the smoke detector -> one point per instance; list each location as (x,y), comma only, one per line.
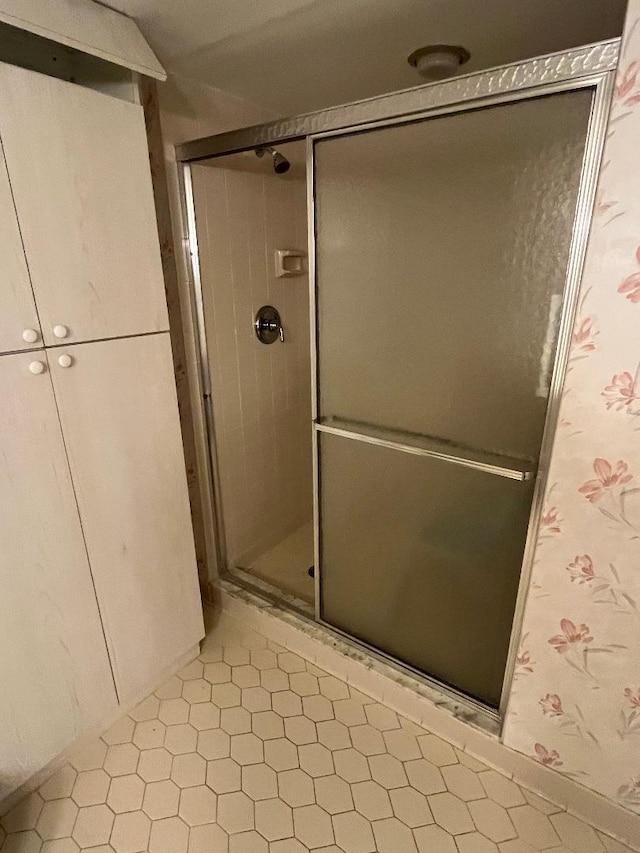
(438,61)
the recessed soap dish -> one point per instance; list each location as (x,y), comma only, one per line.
(290,262)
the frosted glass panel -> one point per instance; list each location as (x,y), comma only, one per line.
(442,249)
(421,558)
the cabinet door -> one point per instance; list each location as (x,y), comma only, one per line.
(18,316)
(54,669)
(79,167)
(119,417)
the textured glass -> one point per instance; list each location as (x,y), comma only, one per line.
(421,559)
(442,249)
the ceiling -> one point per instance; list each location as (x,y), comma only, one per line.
(293,56)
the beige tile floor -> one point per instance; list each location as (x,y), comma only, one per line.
(286,566)
(251,749)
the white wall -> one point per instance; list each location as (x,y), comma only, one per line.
(261,394)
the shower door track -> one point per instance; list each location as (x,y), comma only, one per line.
(592,66)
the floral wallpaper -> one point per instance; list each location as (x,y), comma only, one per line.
(575,703)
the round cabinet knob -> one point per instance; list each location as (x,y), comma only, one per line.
(36,367)
(65,360)
(60,331)
(30,336)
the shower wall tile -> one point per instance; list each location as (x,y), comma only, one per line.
(575,702)
(261,394)
(176,111)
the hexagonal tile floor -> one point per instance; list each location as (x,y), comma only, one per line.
(252,749)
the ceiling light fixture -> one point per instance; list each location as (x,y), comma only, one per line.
(438,61)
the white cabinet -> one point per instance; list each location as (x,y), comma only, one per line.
(119,416)
(54,669)
(79,169)
(19,326)
(99,592)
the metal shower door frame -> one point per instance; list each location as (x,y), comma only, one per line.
(602,85)
(592,66)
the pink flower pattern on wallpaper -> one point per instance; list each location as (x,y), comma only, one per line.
(633,696)
(583,339)
(581,569)
(603,205)
(605,586)
(571,636)
(551,704)
(572,724)
(630,713)
(630,793)
(630,287)
(607,479)
(550,522)
(621,392)
(548,757)
(610,484)
(524,663)
(627,88)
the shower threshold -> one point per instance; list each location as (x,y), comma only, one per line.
(285,565)
(269,592)
(246,587)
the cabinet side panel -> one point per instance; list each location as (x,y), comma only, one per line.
(120,420)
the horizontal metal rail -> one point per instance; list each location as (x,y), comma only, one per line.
(489,463)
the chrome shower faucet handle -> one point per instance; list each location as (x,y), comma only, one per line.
(268,325)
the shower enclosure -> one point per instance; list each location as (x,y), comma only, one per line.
(447,228)
(249,218)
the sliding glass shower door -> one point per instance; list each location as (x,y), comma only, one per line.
(441,258)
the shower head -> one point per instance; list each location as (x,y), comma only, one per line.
(280,162)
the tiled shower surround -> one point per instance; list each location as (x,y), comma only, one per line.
(253,749)
(261,394)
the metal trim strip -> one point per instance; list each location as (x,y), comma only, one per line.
(192,260)
(540,71)
(313,338)
(595,139)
